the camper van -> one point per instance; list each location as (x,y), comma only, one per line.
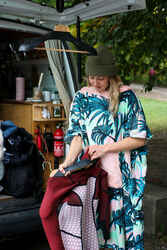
(38,78)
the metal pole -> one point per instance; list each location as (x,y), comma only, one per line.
(79,55)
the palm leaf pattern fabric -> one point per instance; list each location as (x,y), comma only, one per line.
(91,119)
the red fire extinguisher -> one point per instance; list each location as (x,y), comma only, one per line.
(58,142)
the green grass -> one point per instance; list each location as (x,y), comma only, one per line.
(156,114)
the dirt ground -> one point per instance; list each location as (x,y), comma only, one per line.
(158,93)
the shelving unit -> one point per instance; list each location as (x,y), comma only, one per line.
(29,115)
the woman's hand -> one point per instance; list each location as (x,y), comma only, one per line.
(97,151)
(53,172)
(74,151)
(61,168)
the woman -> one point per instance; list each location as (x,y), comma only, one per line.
(107,119)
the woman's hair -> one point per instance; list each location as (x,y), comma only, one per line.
(114,92)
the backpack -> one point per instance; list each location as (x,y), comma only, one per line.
(23,166)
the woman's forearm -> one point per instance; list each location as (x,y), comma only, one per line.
(126,144)
(74,150)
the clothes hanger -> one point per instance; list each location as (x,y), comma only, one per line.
(61,32)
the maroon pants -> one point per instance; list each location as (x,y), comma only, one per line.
(59,190)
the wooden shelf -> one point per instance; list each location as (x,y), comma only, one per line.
(38,108)
(50,120)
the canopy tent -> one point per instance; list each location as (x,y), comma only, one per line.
(25,11)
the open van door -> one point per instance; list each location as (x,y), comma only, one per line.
(29,12)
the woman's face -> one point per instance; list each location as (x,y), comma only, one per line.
(100,83)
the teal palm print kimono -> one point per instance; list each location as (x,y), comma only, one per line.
(91,119)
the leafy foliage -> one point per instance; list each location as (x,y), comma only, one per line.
(138,39)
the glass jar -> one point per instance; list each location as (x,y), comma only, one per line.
(57,109)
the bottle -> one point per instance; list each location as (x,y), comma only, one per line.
(57,109)
(20,87)
(38,139)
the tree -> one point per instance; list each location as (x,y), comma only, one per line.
(138,39)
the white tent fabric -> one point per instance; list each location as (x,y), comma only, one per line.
(56,62)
